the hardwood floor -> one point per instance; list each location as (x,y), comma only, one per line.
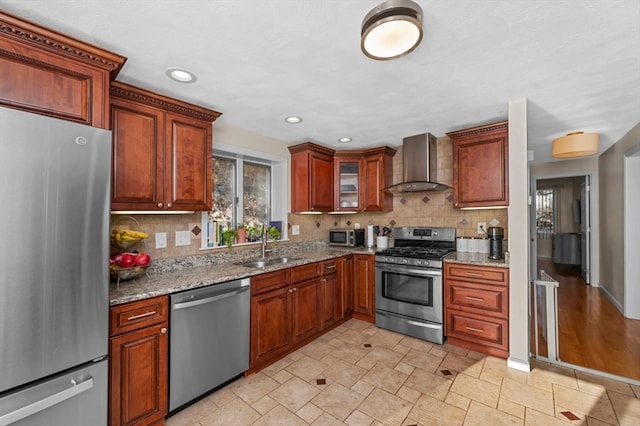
(592,333)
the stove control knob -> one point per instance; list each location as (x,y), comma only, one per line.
(405,261)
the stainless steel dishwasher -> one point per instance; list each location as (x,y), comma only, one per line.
(209,339)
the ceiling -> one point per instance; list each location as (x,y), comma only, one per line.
(258,61)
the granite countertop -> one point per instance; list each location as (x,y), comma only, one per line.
(479,259)
(162,282)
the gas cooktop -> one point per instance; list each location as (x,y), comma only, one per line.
(419,246)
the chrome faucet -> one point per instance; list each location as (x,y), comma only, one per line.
(265,236)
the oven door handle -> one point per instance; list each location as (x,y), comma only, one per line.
(408,270)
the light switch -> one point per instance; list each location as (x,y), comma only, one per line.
(183,238)
(161,240)
(295,229)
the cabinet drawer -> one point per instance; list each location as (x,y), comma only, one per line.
(483,299)
(496,276)
(305,272)
(137,315)
(270,281)
(329,267)
(477,329)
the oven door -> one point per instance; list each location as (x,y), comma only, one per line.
(411,291)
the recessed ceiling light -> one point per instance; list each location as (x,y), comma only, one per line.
(345,140)
(183,76)
(293,119)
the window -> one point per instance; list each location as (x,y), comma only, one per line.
(546,212)
(243,194)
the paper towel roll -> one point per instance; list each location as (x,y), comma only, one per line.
(370,237)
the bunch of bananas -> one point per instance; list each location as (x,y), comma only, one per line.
(127,235)
(124,238)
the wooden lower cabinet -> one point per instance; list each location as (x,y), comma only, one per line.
(270,325)
(291,307)
(364,287)
(344,296)
(329,300)
(477,308)
(138,363)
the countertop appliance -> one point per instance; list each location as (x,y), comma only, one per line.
(409,284)
(347,237)
(208,340)
(54,277)
(496,235)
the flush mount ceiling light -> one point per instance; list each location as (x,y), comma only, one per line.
(575,144)
(344,140)
(391,29)
(181,75)
(293,119)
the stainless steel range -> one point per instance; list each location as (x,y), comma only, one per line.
(409,286)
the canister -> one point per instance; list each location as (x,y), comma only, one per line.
(461,244)
(483,245)
(472,245)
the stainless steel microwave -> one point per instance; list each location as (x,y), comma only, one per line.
(346,237)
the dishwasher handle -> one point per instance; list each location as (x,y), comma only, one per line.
(211,299)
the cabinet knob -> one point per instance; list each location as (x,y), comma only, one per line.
(163,330)
(169,205)
(290,290)
(160,205)
(295,289)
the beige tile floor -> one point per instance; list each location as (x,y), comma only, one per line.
(358,374)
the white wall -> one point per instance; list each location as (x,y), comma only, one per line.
(518,237)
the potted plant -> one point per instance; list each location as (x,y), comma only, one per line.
(230,236)
(252,233)
(242,234)
(274,233)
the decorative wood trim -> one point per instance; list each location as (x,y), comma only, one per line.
(478,130)
(137,94)
(385,150)
(60,44)
(305,146)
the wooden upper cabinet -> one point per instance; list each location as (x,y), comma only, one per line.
(361,176)
(311,178)
(481,166)
(162,152)
(378,168)
(45,72)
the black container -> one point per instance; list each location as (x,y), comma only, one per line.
(496,235)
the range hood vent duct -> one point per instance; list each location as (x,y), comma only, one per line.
(419,161)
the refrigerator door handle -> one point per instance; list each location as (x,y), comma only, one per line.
(49,401)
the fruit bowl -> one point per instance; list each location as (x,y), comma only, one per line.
(119,273)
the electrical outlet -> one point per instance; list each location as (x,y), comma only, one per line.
(356,225)
(161,240)
(295,229)
(482,228)
(183,238)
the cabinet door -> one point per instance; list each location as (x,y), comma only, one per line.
(364,284)
(321,182)
(270,325)
(138,376)
(349,179)
(378,171)
(328,311)
(480,166)
(345,286)
(137,156)
(305,300)
(188,164)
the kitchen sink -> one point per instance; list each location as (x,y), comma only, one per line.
(261,263)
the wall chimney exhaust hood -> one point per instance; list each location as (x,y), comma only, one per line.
(419,163)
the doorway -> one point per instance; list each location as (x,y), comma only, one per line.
(632,231)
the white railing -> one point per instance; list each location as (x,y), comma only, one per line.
(545,314)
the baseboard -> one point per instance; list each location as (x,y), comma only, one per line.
(612,299)
(518,364)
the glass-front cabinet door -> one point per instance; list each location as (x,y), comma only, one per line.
(349,184)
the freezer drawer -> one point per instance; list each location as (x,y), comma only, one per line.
(78,398)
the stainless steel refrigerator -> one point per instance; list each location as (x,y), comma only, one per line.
(54,278)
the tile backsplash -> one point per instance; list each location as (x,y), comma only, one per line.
(412,209)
